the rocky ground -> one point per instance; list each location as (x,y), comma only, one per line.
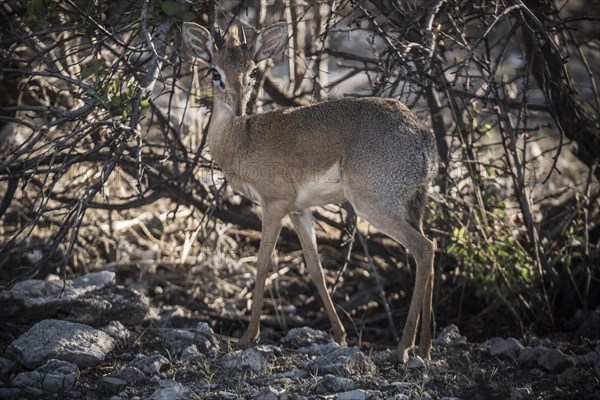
(95,339)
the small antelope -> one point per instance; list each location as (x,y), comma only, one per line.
(372,152)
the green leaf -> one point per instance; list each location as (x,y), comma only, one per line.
(115,101)
(144,104)
(188,16)
(170,7)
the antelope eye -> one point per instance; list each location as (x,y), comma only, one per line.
(253,73)
(215,75)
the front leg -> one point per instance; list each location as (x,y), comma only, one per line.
(271,226)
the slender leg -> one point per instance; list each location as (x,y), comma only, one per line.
(271,226)
(303,224)
(425,339)
(422,250)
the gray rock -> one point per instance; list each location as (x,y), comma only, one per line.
(92,299)
(345,362)
(55,376)
(591,327)
(303,337)
(294,373)
(62,340)
(113,384)
(150,365)
(258,359)
(166,314)
(449,398)
(179,339)
(415,363)
(521,393)
(129,375)
(10,393)
(267,393)
(530,355)
(510,347)
(449,336)
(597,366)
(586,360)
(357,394)
(170,390)
(117,331)
(253,359)
(337,384)
(570,377)
(318,348)
(555,361)
(191,353)
(382,357)
(231,360)
(7,367)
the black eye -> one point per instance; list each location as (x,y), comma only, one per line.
(253,73)
(215,75)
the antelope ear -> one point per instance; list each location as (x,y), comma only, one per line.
(270,42)
(198,40)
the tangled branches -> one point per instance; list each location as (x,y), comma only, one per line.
(102,118)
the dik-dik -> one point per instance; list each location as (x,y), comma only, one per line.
(372,152)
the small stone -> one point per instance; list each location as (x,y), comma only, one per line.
(191,353)
(231,360)
(357,394)
(510,347)
(521,393)
(130,375)
(345,362)
(304,337)
(449,336)
(591,327)
(571,376)
(555,361)
(253,359)
(415,363)
(400,396)
(92,299)
(117,331)
(11,393)
(179,339)
(267,393)
(113,384)
(294,373)
(586,360)
(530,355)
(7,367)
(62,340)
(150,365)
(449,398)
(382,357)
(170,390)
(225,395)
(55,376)
(337,384)
(318,349)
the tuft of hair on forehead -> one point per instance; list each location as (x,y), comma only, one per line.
(233,38)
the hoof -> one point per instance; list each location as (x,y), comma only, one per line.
(246,342)
(424,353)
(402,355)
(340,338)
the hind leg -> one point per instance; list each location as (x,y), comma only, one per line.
(405,229)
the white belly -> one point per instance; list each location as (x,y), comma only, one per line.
(321,189)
